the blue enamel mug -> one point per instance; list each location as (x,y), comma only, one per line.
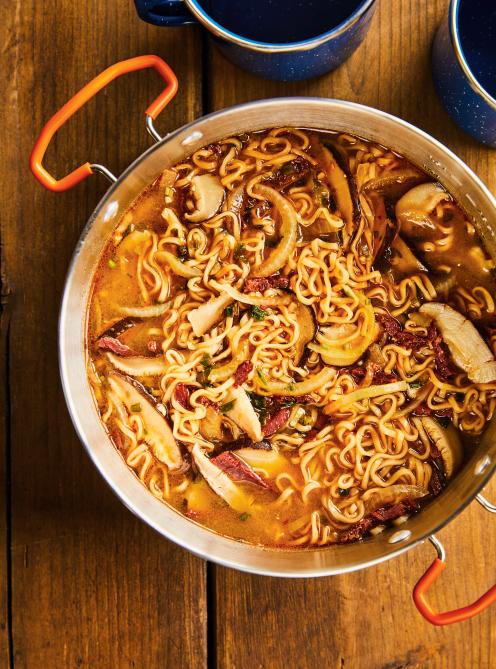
(464,66)
(287,40)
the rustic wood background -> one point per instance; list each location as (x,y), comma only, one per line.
(82,582)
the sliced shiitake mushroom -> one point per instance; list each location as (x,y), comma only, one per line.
(157,433)
(446,440)
(394,184)
(208,194)
(468,350)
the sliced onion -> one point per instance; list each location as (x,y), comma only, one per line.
(343,355)
(288,231)
(447,441)
(309,385)
(138,365)
(224,372)
(365,393)
(392,495)
(306,322)
(178,267)
(272,301)
(145,312)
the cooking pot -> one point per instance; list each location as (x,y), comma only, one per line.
(325,114)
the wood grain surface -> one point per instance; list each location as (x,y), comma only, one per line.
(82,582)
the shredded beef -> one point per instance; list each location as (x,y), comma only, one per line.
(399,336)
(435,483)
(378,517)
(242,372)
(182,395)
(261,283)
(152,346)
(275,423)
(442,359)
(107,343)
(237,470)
(208,403)
(379,376)
(290,173)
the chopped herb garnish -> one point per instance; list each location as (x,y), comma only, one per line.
(112,263)
(287,402)
(136,407)
(291,387)
(257,401)
(240,252)
(415,384)
(343,492)
(206,363)
(228,311)
(182,253)
(257,313)
(287,168)
(261,376)
(225,408)
(245,516)
(444,421)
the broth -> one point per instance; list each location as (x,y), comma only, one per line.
(291,337)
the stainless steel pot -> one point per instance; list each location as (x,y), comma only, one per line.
(325,114)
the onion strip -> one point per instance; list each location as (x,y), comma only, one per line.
(178,267)
(365,393)
(288,231)
(310,384)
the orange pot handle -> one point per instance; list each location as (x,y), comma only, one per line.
(76,102)
(448,617)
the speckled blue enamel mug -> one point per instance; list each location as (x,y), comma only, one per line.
(278,39)
(464,66)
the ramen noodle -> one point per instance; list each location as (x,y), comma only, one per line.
(291,337)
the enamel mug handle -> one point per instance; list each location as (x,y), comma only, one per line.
(80,99)
(164,12)
(433,572)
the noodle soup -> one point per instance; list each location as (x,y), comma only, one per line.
(291,337)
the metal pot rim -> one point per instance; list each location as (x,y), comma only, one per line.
(146,507)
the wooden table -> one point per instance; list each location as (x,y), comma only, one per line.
(82,582)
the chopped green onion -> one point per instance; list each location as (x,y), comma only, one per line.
(225,408)
(415,384)
(136,407)
(257,313)
(182,253)
(444,421)
(112,263)
(244,516)
(288,168)
(261,376)
(291,387)
(228,311)
(240,252)
(257,401)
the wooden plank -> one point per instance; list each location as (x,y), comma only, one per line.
(91,585)
(367,620)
